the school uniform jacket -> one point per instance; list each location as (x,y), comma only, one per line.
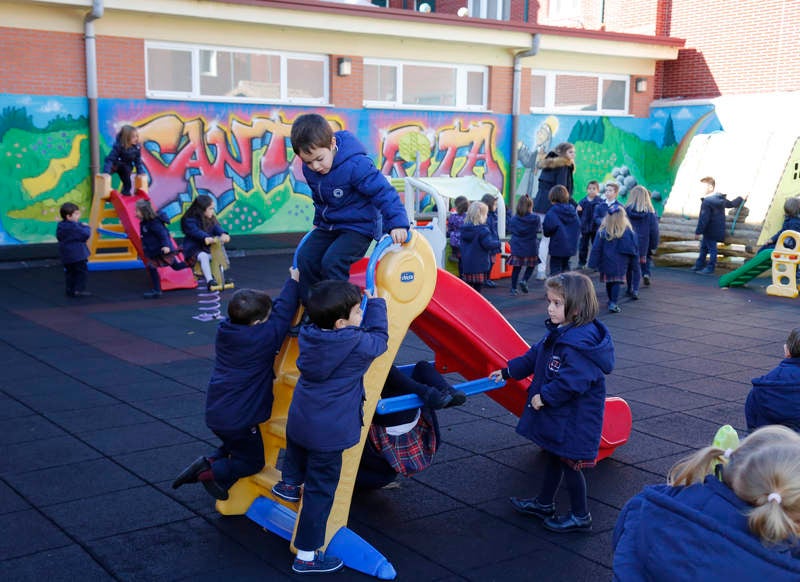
(645,225)
(240,390)
(588,224)
(711,222)
(155,236)
(569,367)
(699,532)
(327,410)
(775,397)
(72,237)
(555,170)
(524,231)
(562,225)
(195,235)
(491,222)
(612,257)
(477,243)
(128,157)
(354,195)
(789,223)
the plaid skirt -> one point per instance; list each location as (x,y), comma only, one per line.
(163,260)
(407,453)
(474,277)
(577,465)
(516,261)
(604,278)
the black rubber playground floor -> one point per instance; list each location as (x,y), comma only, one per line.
(101,404)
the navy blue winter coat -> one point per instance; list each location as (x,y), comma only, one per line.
(240,390)
(120,156)
(195,235)
(555,170)
(789,223)
(700,532)
(491,222)
(155,236)
(562,225)
(327,410)
(354,195)
(612,257)
(711,223)
(477,245)
(601,211)
(524,232)
(775,397)
(72,237)
(588,224)
(645,225)
(569,367)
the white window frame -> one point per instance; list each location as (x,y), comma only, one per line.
(196,95)
(550,93)
(462,72)
(480,8)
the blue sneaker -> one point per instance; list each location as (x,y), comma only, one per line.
(286,491)
(569,523)
(321,564)
(532,507)
(614,308)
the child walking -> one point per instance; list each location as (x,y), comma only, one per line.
(491,222)
(566,400)
(72,236)
(740,524)
(353,201)
(125,155)
(524,227)
(775,397)
(711,225)
(156,245)
(326,412)
(454,223)
(200,227)
(586,210)
(477,245)
(644,222)
(615,252)
(239,395)
(562,226)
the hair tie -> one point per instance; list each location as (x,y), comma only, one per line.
(727,454)
(775,496)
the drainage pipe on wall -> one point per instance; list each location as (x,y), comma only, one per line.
(515,96)
(91,85)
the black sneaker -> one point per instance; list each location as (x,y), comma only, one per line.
(321,564)
(190,473)
(286,491)
(82,294)
(646,279)
(532,507)
(457,398)
(212,283)
(569,523)
(523,286)
(216,490)
(491,284)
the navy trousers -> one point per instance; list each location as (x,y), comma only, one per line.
(75,276)
(328,254)
(240,455)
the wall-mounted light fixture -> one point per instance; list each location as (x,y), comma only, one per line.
(640,85)
(344,66)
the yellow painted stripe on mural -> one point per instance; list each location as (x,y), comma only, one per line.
(48,179)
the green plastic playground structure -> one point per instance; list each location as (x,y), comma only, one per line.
(749,271)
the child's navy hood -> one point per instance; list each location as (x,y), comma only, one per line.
(594,341)
(566,212)
(636,214)
(347,146)
(323,351)
(469,232)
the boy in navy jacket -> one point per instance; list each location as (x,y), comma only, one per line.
(775,397)
(562,225)
(327,409)
(353,201)
(589,227)
(240,394)
(72,236)
(711,226)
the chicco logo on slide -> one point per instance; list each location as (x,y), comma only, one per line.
(407,277)
(338,193)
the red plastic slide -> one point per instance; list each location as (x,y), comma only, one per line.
(126,210)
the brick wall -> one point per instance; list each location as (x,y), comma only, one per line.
(501,81)
(42,63)
(120,68)
(632,16)
(347,92)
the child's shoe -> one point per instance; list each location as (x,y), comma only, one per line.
(569,523)
(513,291)
(321,564)
(211,283)
(82,294)
(523,286)
(191,473)
(154,294)
(646,280)
(491,284)
(613,308)
(457,398)
(707,271)
(286,491)
(532,507)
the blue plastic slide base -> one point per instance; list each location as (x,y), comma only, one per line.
(116,265)
(353,550)
(410,401)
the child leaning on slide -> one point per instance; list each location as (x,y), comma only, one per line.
(775,397)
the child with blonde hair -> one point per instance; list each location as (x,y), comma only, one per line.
(614,253)
(644,221)
(477,245)
(741,524)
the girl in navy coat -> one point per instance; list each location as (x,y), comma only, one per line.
(125,155)
(454,223)
(775,397)
(564,413)
(614,253)
(491,221)
(156,245)
(740,526)
(557,169)
(200,227)
(524,228)
(478,244)
(644,221)
(562,225)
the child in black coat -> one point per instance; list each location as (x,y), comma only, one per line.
(72,237)
(156,245)
(562,226)
(124,157)
(711,225)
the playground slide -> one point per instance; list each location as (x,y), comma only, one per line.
(126,210)
(749,271)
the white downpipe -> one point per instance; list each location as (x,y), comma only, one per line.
(91,84)
(515,101)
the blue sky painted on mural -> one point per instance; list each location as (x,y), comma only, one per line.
(43,109)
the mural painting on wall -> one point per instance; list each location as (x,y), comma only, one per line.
(629,151)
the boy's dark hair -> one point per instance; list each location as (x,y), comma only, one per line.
(792,206)
(331,300)
(710,181)
(66,209)
(595,182)
(793,343)
(146,210)
(580,299)
(461,204)
(490,200)
(309,131)
(249,305)
(558,194)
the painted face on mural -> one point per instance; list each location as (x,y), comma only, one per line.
(319,160)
